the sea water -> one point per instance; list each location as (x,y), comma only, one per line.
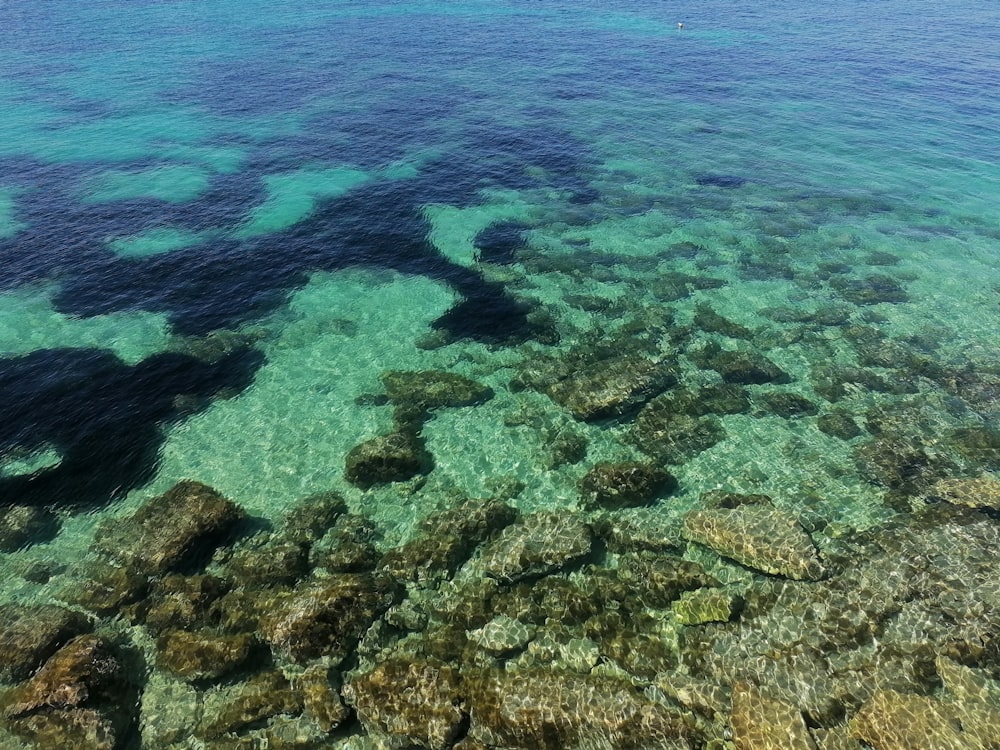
(313,185)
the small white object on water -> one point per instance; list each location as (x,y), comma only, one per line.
(680,24)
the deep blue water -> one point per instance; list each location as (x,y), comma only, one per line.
(175,174)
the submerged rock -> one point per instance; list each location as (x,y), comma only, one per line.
(978,492)
(670,437)
(838,425)
(202,654)
(68,728)
(22,526)
(870,290)
(656,580)
(759,537)
(178,601)
(705,605)
(106,588)
(326,617)
(447,539)
(312,517)
(245,704)
(413,703)
(30,634)
(267,563)
(787,405)
(541,543)
(763,723)
(79,698)
(503,635)
(742,367)
(320,698)
(896,720)
(706,319)
(552,710)
(611,388)
(624,485)
(395,457)
(68,679)
(415,393)
(175,530)
(348,548)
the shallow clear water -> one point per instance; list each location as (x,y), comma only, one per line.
(221,223)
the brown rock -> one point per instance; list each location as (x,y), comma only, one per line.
(203,654)
(321,700)
(892,720)
(626,484)
(419,703)
(171,531)
(327,617)
(68,678)
(261,697)
(31,634)
(978,492)
(759,537)
(541,543)
(763,723)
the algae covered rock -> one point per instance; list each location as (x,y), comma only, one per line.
(267,563)
(759,537)
(612,387)
(202,654)
(24,525)
(312,517)
(670,437)
(414,393)
(541,543)
(30,634)
(977,492)
(79,698)
(327,617)
(178,601)
(870,290)
(787,405)
(68,679)
(68,728)
(742,367)
(893,720)
(347,548)
(625,484)
(416,704)
(106,588)
(838,425)
(321,700)
(552,710)
(174,530)
(706,605)
(658,579)
(763,723)
(263,696)
(395,457)
(503,635)
(447,540)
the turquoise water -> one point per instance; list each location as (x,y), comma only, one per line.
(221,223)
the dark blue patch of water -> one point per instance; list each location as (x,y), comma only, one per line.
(101,415)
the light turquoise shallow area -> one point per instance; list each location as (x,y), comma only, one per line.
(772,164)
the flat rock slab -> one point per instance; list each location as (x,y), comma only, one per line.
(540,544)
(978,492)
(760,722)
(893,720)
(170,531)
(759,537)
(611,388)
